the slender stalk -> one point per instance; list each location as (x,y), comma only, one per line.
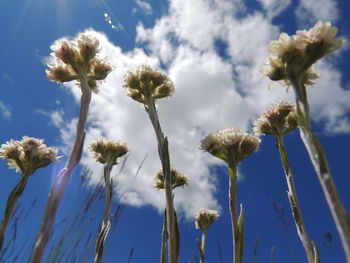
(106,215)
(294,203)
(62,179)
(204,239)
(320,163)
(233,212)
(11,206)
(163,152)
(164,238)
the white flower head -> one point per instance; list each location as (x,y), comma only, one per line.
(108,151)
(147,83)
(230,144)
(278,119)
(28,155)
(205,218)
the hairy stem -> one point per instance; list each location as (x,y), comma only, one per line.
(163,152)
(204,240)
(63,177)
(233,211)
(294,203)
(106,215)
(164,239)
(320,163)
(11,206)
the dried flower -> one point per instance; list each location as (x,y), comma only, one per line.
(177,179)
(108,151)
(75,59)
(205,218)
(279,119)
(28,155)
(230,144)
(146,83)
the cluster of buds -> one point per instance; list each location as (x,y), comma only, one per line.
(278,119)
(293,56)
(107,151)
(146,84)
(205,218)
(230,144)
(177,179)
(76,59)
(27,155)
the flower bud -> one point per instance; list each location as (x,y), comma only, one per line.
(88,46)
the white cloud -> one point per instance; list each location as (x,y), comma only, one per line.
(212,93)
(274,8)
(5,110)
(310,11)
(144,6)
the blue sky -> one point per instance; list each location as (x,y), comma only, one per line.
(212,51)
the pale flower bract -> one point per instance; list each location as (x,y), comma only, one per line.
(230,144)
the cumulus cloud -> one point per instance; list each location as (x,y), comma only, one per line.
(213,92)
(274,8)
(310,11)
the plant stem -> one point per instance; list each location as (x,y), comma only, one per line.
(163,152)
(320,163)
(11,206)
(63,177)
(164,238)
(204,239)
(233,210)
(294,203)
(106,215)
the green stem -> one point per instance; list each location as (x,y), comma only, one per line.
(62,179)
(163,152)
(320,163)
(11,206)
(294,203)
(204,239)
(233,211)
(106,215)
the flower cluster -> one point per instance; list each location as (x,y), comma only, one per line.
(205,218)
(177,179)
(27,155)
(278,119)
(76,59)
(230,144)
(293,56)
(107,151)
(146,84)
